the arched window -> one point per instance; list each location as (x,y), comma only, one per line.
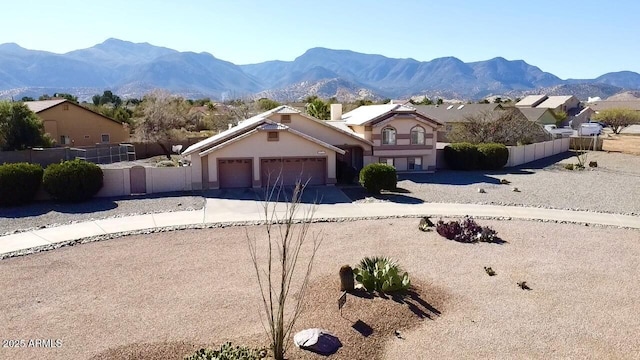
(388,136)
(417,135)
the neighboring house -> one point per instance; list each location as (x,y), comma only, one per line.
(70,124)
(452,114)
(605,105)
(401,136)
(555,103)
(538,115)
(280,143)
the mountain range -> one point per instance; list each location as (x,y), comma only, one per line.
(132,69)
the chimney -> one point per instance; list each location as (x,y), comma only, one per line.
(336,111)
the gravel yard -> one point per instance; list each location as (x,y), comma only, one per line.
(161,295)
(48,213)
(612,187)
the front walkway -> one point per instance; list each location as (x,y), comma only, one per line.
(223,211)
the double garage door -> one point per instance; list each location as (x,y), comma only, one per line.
(238,173)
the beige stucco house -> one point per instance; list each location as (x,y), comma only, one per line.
(284,144)
(70,124)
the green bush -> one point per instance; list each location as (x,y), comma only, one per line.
(229,352)
(381,274)
(375,177)
(493,156)
(73,181)
(19,183)
(166,163)
(462,156)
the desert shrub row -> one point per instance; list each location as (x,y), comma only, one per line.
(467,156)
(72,181)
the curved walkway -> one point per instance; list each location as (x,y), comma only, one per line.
(224,211)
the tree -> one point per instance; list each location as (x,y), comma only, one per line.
(44,97)
(508,127)
(560,116)
(163,119)
(440,101)
(497,100)
(27,98)
(318,109)
(66,96)
(618,119)
(265,104)
(107,97)
(20,128)
(280,274)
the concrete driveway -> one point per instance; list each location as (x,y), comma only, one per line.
(248,204)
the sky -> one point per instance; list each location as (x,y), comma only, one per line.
(571,39)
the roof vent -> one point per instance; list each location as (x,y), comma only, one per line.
(449,107)
(460,107)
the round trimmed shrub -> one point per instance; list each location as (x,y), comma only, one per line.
(462,156)
(73,181)
(19,183)
(377,176)
(493,156)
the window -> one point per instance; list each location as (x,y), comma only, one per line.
(388,161)
(64,140)
(272,136)
(417,136)
(285,118)
(388,136)
(105,138)
(86,137)
(415,163)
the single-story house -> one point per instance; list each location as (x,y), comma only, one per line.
(555,103)
(607,104)
(287,145)
(452,114)
(70,124)
(541,116)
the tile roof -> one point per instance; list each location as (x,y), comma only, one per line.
(533,114)
(454,112)
(553,102)
(364,114)
(604,105)
(531,100)
(42,105)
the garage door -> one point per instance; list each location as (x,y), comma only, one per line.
(235,173)
(293,169)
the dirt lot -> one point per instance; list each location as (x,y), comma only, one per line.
(629,144)
(161,295)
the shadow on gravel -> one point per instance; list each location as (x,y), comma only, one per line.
(311,195)
(397,196)
(44,207)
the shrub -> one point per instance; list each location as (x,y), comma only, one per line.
(229,352)
(375,177)
(74,181)
(466,231)
(462,156)
(19,183)
(166,163)
(568,166)
(493,156)
(381,274)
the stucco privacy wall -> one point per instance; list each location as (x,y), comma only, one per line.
(117,182)
(256,147)
(519,155)
(82,126)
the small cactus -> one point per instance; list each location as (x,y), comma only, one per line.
(593,164)
(481,191)
(425,224)
(346,278)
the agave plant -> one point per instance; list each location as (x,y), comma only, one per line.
(381,274)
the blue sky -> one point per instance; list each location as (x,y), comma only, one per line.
(576,39)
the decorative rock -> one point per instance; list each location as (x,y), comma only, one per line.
(317,340)
(481,191)
(515,189)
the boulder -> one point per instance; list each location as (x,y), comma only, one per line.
(317,340)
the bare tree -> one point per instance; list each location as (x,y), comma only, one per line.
(282,271)
(163,119)
(509,127)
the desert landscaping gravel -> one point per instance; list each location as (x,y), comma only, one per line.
(612,187)
(159,295)
(48,213)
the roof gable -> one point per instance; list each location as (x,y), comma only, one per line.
(43,105)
